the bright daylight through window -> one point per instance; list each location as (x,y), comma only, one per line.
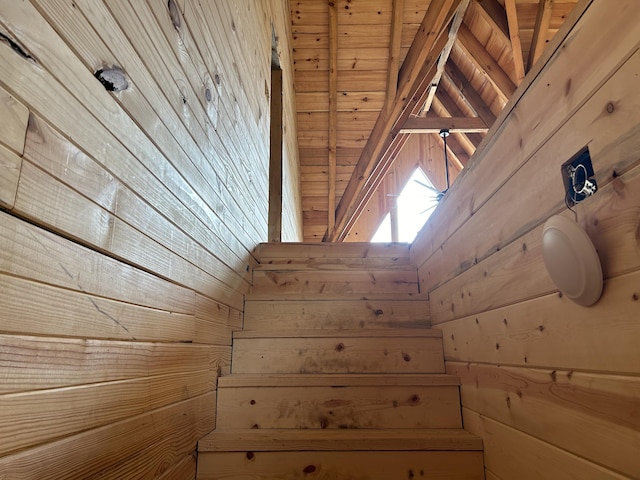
(415,203)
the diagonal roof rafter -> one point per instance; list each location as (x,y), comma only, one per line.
(425,50)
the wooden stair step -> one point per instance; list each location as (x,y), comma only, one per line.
(336,281)
(336,314)
(266,440)
(334,296)
(343,454)
(351,265)
(338,354)
(346,333)
(339,401)
(336,380)
(273,252)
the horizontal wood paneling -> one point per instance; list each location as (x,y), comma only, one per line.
(550,386)
(535,459)
(84,454)
(130,218)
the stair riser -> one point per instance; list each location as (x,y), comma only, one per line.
(414,406)
(338,355)
(335,282)
(337,314)
(340,465)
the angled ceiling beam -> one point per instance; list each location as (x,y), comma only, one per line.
(471,96)
(516,44)
(435,124)
(486,63)
(423,51)
(333,113)
(394,50)
(495,16)
(540,31)
(444,56)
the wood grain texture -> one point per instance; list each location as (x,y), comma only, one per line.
(10,166)
(13,124)
(347,465)
(338,355)
(317,440)
(349,407)
(84,454)
(335,314)
(65,411)
(501,441)
(37,363)
(593,416)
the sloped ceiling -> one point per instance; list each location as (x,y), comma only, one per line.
(376,80)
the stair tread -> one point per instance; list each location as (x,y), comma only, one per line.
(336,380)
(338,440)
(339,250)
(359,266)
(348,333)
(332,296)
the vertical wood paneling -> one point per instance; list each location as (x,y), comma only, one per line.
(130,220)
(549,385)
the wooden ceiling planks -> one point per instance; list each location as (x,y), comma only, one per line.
(369,50)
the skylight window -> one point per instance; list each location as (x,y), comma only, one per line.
(416,203)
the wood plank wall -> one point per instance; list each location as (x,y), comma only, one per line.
(127,224)
(552,387)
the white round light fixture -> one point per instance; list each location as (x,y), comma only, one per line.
(571,260)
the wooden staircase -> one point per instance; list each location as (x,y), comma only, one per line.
(337,375)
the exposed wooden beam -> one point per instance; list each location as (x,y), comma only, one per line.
(380,141)
(435,124)
(444,56)
(333,113)
(514,35)
(470,95)
(486,63)
(540,31)
(394,52)
(495,16)
(445,107)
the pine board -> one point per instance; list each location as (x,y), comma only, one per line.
(34,308)
(590,415)
(551,331)
(13,122)
(32,418)
(343,465)
(10,165)
(347,407)
(360,282)
(35,363)
(335,314)
(79,456)
(32,253)
(388,439)
(513,454)
(338,355)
